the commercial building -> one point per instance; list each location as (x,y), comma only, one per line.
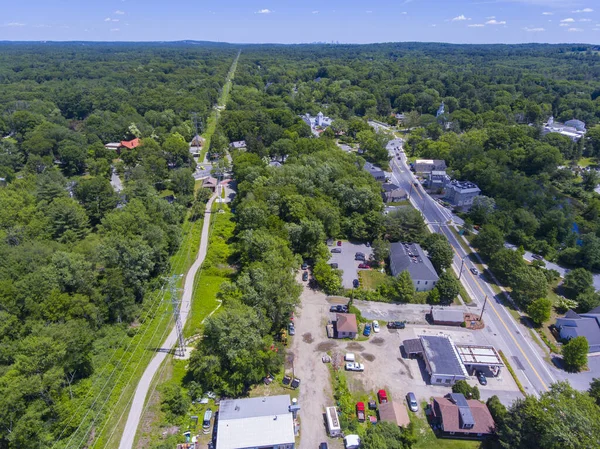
(257,423)
(458,417)
(410,257)
(318,121)
(581,325)
(426,166)
(437,179)
(461,193)
(442,361)
(573,129)
(480,358)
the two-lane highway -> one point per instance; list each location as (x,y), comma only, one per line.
(512,338)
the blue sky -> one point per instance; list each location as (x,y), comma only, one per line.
(296,21)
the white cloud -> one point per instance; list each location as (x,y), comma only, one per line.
(403,13)
(315,12)
(547,13)
(585,20)
(495,22)
(264,11)
(534,30)
(491,17)
(107,19)
(568,20)
(119,12)
(575,30)
(114,29)
(14,24)
(583,10)
(434,25)
(476,25)
(459,18)
(564,25)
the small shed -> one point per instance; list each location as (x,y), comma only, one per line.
(394,412)
(447,316)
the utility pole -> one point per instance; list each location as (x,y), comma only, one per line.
(462,262)
(176,305)
(483,309)
(197,123)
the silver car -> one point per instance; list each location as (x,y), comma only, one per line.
(411,399)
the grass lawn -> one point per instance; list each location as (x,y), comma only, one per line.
(586,162)
(426,439)
(371,279)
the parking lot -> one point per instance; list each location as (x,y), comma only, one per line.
(346,262)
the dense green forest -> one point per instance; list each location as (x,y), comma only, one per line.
(83,266)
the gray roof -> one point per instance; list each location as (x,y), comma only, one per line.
(375,171)
(448,314)
(412,346)
(253,407)
(464,411)
(441,356)
(410,257)
(388,187)
(585,325)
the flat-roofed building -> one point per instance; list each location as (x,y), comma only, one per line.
(442,362)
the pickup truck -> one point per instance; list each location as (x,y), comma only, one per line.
(355,366)
(360,411)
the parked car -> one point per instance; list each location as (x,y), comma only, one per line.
(396,325)
(474,271)
(333,265)
(355,366)
(323,446)
(375,326)
(363,265)
(207,418)
(382,396)
(291,329)
(304,265)
(339,243)
(359,256)
(411,400)
(481,378)
(537,256)
(305,276)
(341,308)
(367,330)
(349,357)
(368,244)
(336,250)
(355,283)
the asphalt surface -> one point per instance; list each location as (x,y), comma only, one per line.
(137,406)
(115,181)
(346,262)
(512,338)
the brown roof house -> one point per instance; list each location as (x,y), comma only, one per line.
(210,183)
(345,325)
(395,413)
(458,417)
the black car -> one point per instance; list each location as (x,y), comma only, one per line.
(305,276)
(323,446)
(481,378)
(396,325)
(359,256)
(537,256)
(304,265)
(355,283)
(333,265)
(340,308)
(336,250)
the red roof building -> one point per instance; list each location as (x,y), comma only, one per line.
(130,144)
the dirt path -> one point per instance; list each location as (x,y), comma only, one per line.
(315,390)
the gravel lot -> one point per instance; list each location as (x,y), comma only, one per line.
(346,262)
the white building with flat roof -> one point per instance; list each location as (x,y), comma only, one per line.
(256,423)
(573,129)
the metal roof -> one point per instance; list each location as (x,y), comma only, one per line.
(410,257)
(448,314)
(464,411)
(255,422)
(479,355)
(442,356)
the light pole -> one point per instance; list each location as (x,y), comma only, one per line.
(462,262)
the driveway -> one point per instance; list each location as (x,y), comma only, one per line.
(308,346)
(346,262)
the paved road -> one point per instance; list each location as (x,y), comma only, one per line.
(115,181)
(512,338)
(137,406)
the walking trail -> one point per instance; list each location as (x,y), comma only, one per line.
(137,406)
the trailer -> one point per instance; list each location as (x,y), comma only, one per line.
(333,422)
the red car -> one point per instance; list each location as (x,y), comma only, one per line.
(339,243)
(382,396)
(363,265)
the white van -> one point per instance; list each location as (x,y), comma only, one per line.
(349,357)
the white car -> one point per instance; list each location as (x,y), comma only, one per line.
(355,366)
(375,326)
